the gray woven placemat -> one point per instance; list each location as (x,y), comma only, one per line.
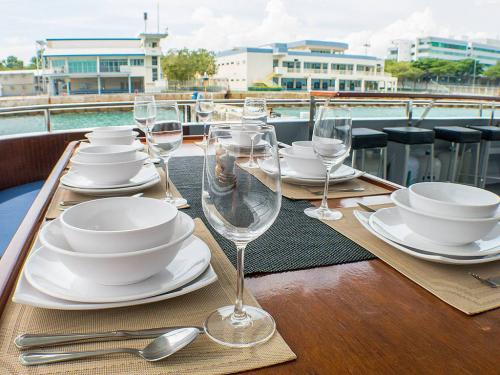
(294,241)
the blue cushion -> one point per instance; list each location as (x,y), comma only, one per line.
(14,204)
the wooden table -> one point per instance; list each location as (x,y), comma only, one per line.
(357,318)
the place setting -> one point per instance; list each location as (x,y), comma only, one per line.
(109,168)
(440,222)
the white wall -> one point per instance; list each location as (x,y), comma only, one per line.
(259,68)
(234,69)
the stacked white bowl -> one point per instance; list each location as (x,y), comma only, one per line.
(118,241)
(447,213)
(302,159)
(108,165)
(112,135)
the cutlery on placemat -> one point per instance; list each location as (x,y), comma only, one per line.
(493,282)
(72,203)
(27,340)
(160,348)
(355,189)
(366,208)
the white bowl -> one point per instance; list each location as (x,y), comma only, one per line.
(105,154)
(440,229)
(304,148)
(117,268)
(110,173)
(118,225)
(454,200)
(242,134)
(114,131)
(101,139)
(304,165)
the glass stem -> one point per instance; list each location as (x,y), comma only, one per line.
(167,180)
(251,162)
(204,131)
(239,312)
(324,202)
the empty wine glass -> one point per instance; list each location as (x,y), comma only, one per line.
(141,111)
(241,208)
(254,110)
(164,134)
(331,143)
(204,109)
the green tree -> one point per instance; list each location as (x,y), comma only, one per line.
(185,64)
(12,62)
(493,72)
(32,64)
(403,70)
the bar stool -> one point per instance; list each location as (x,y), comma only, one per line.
(488,134)
(459,136)
(410,136)
(363,139)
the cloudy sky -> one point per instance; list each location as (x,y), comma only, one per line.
(223,24)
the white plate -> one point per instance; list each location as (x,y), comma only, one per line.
(139,146)
(364,217)
(46,273)
(113,192)
(344,173)
(147,173)
(389,220)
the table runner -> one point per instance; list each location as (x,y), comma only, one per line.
(298,192)
(294,241)
(450,283)
(201,357)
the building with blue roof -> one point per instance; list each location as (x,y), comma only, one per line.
(102,65)
(303,65)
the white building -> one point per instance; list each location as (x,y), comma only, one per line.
(303,65)
(486,52)
(103,65)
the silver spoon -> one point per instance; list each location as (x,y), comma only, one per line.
(160,348)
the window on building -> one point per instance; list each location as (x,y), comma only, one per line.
(82,66)
(154,44)
(137,62)
(315,66)
(154,60)
(58,65)
(112,65)
(154,73)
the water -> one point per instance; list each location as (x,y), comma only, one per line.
(165,137)
(78,120)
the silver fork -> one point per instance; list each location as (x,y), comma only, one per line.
(493,282)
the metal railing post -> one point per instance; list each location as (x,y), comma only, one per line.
(481,110)
(312,112)
(492,118)
(409,111)
(46,116)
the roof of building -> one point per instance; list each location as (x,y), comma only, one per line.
(446,40)
(317,43)
(64,52)
(61,39)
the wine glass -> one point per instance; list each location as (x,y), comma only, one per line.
(241,208)
(141,111)
(204,109)
(164,134)
(331,143)
(254,110)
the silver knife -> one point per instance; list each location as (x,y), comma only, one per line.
(26,341)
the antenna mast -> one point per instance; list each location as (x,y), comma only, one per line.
(158,17)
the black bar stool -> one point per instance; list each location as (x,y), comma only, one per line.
(410,136)
(459,137)
(488,134)
(364,139)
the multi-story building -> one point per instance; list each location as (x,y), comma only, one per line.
(303,65)
(103,65)
(486,52)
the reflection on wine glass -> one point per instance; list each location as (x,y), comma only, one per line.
(141,112)
(254,111)
(204,109)
(164,135)
(241,208)
(332,144)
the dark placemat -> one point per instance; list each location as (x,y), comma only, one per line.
(294,241)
